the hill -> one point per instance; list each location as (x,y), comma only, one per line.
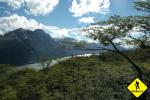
(103,77)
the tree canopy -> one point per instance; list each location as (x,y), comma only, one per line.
(129,30)
(143,5)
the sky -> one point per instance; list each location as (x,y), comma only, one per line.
(60,18)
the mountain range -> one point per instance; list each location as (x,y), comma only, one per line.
(22,46)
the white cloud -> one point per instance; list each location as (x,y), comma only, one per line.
(35,7)
(41,7)
(14,3)
(15,21)
(82,7)
(86,20)
(57,32)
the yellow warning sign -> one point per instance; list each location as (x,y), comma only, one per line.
(137,87)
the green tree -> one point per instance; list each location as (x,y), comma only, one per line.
(143,5)
(119,31)
(109,33)
(142,23)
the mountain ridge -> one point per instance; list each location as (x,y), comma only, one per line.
(22,46)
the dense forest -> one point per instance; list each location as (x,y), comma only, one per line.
(102,77)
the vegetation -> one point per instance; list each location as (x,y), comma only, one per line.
(119,30)
(103,77)
(143,5)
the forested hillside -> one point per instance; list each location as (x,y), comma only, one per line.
(103,77)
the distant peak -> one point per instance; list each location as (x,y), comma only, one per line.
(20,29)
(39,30)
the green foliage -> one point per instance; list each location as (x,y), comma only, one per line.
(79,78)
(122,28)
(143,5)
(8,93)
(99,77)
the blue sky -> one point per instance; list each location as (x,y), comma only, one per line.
(59,15)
